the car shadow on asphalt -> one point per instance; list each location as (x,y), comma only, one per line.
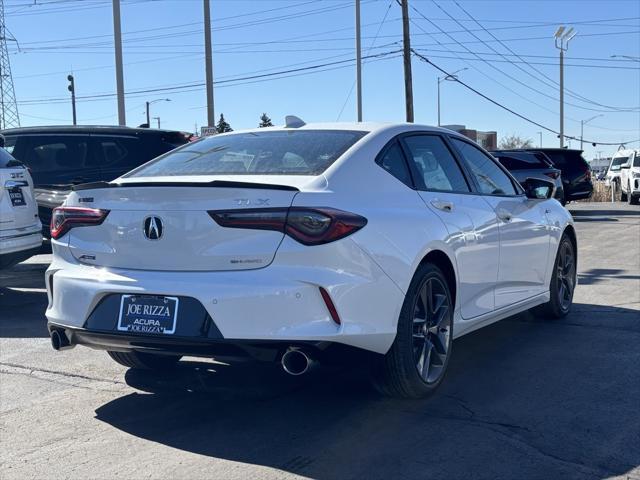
(522,398)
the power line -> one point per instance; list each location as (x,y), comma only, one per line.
(538,71)
(219,82)
(513,112)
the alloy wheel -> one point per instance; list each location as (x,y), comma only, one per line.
(566,275)
(431,329)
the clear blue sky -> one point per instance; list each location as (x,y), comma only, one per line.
(163,48)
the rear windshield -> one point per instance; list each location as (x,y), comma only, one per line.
(296,152)
(521,162)
(7,161)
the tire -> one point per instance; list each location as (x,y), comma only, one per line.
(145,361)
(563,282)
(632,200)
(416,364)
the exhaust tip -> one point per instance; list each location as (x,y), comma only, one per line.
(295,362)
(59,340)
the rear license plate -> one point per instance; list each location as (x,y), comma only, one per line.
(148,314)
(17,197)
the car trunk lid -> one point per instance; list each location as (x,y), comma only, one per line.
(166,225)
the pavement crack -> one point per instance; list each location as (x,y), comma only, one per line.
(33,371)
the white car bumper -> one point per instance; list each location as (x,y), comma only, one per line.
(281,302)
(19,243)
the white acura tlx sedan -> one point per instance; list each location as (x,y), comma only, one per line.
(301,243)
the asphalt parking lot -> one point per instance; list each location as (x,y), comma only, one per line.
(524,398)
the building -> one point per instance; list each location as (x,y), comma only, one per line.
(487,140)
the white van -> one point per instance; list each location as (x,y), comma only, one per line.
(20,228)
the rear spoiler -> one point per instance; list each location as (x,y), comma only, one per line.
(214,184)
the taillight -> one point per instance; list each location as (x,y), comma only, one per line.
(309,226)
(553,175)
(64,219)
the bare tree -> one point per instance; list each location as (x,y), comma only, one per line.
(514,141)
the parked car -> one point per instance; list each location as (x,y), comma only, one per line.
(523,165)
(299,242)
(62,156)
(615,168)
(575,171)
(20,230)
(627,166)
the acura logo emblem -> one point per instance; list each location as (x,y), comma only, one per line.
(153,228)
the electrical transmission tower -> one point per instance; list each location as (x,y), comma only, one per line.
(9,114)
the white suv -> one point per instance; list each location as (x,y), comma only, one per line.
(630,176)
(20,228)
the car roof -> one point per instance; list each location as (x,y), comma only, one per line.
(369,127)
(102,129)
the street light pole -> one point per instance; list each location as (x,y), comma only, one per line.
(583,123)
(358,64)
(148,113)
(451,76)
(562,39)
(540,133)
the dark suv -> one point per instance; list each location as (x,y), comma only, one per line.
(576,175)
(523,165)
(62,156)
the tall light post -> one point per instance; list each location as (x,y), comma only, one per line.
(584,122)
(358,65)
(562,38)
(540,133)
(208,63)
(451,76)
(152,102)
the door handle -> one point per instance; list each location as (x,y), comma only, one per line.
(442,205)
(504,216)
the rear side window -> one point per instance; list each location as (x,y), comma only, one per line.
(524,162)
(392,160)
(120,152)
(435,166)
(52,153)
(295,152)
(636,160)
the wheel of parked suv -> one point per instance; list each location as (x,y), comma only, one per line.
(563,281)
(632,200)
(145,361)
(417,361)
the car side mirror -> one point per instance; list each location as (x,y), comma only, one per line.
(538,189)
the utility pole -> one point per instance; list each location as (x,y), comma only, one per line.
(358,64)
(406,42)
(211,121)
(117,40)
(72,89)
(148,119)
(562,39)
(540,145)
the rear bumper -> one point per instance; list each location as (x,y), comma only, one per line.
(18,245)
(186,346)
(280,303)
